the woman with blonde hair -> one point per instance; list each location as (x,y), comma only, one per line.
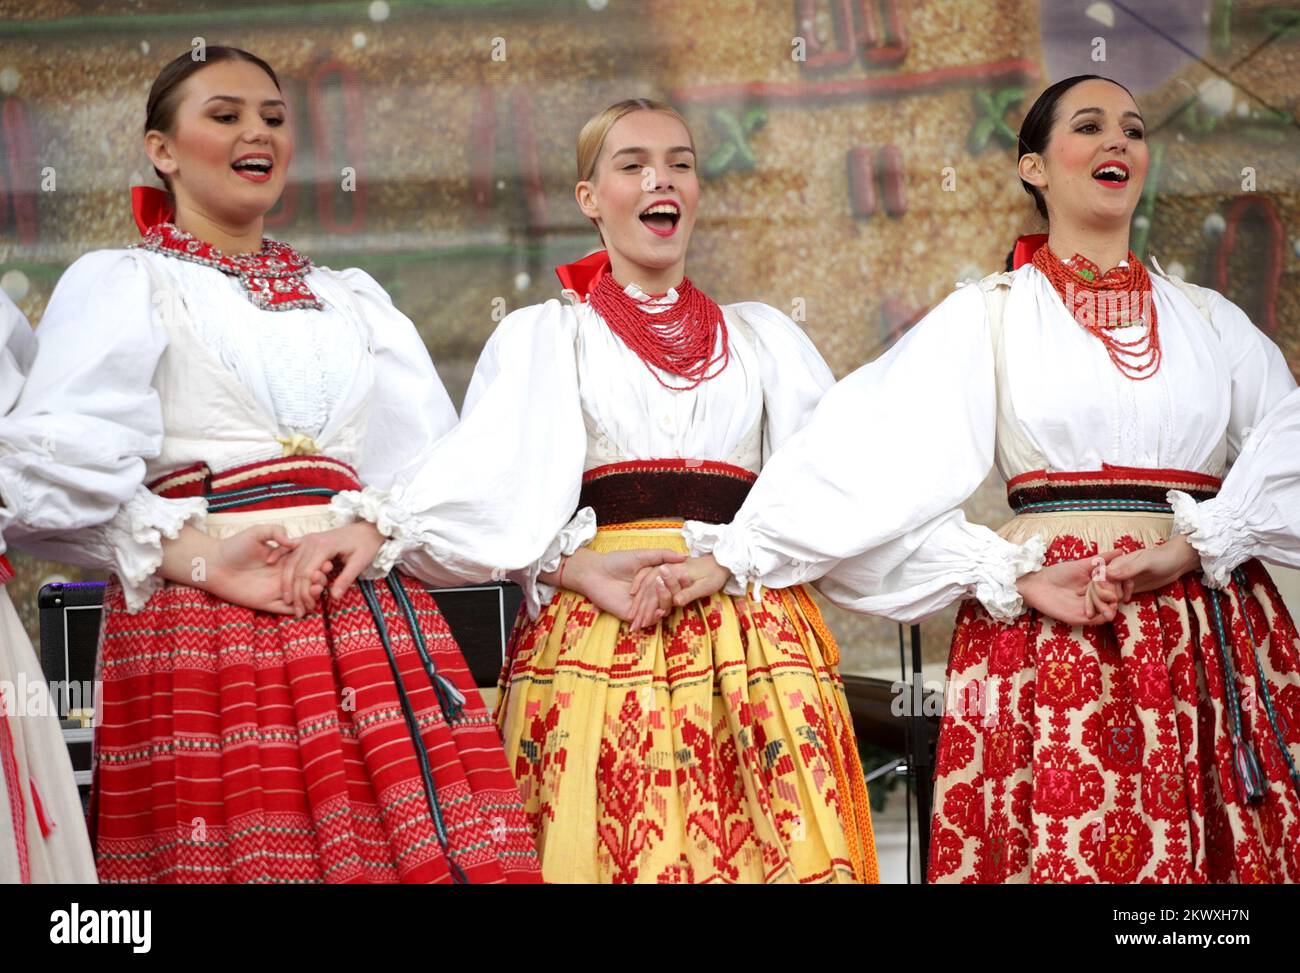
(708,743)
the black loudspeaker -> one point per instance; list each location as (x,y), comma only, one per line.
(69,619)
(481,617)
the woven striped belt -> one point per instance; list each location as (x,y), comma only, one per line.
(1110,489)
(294,481)
(666,489)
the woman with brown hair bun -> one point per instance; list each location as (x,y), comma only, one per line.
(240,387)
(1140,727)
(713,742)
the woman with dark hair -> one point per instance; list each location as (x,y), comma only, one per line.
(1089,738)
(239,388)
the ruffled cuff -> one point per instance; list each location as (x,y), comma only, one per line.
(723,542)
(8,506)
(997,569)
(1219,537)
(393,518)
(577,532)
(135,536)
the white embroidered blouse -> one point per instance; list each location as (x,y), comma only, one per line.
(556,393)
(159,363)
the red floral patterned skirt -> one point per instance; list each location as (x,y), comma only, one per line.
(1161,748)
(716,746)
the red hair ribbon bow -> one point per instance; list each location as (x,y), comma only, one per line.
(1026,247)
(581,275)
(150,207)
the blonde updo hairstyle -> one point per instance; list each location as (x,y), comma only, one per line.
(591,140)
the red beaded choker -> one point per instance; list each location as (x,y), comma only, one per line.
(1106,303)
(273,278)
(679,340)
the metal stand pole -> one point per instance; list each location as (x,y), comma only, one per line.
(919,757)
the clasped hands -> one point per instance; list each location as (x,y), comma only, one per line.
(1090,590)
(263,568)
(639,586)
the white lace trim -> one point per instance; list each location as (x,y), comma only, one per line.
(572,536)
(723,542)
(392,518)
(577,532)
(702,538)
(998,572)
(136,534)
(1218,537)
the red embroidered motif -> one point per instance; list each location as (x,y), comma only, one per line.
(621,784)
(1114,738)
(964,807)
(274,278)
(720,818)
(1068,676)
(1064,785)
(1127,726)
(1118,848)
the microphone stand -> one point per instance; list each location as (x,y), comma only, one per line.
(916,746)
(919,758)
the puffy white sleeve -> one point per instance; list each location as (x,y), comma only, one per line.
(494,498)
(1260,376)
(74,444)
(17,349)
(929,567)
(410,410)
(1257,511)
(864,497)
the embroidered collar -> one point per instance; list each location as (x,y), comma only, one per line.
(274,278)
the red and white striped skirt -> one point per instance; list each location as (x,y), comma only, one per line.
(350,745)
